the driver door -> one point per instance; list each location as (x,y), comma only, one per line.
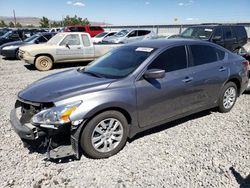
(70,48)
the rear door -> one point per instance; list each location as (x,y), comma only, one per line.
(161,99)
(210,71)
(229,38)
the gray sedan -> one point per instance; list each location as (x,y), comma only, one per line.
(128,90)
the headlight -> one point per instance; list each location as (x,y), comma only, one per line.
(56,115)
(9,47)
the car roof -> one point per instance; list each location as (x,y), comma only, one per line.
(163,43)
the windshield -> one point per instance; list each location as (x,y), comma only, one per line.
(119,63)
(101,35)
(57,38)
(121,33)
(31,38)
(197,32)
(7,34)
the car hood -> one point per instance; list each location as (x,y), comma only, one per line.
(35,47)
(63,85)
(16,43)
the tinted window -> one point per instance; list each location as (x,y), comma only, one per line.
(143,32)
(81,29)
(73,29)
(240,32)
(197,32)
(218,32)
(133,34)
(95,28)
(205,54)
(228,34)
(110,34)
(42,39)
(71,40)
(171,60)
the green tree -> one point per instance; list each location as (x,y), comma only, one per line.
(18,24)
(3,24)
(11,24)
(44,22)
(75,21)
(56,24)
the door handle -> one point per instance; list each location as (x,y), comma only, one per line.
(187,79)
(221,69)
(78,48)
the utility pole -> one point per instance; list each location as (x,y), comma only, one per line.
(14,16)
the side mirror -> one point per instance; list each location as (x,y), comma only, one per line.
(67,45)
(154,73)
(217,38)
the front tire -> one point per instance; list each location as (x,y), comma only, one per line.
(104,135)
(228,97)
(17,55)
(43,63)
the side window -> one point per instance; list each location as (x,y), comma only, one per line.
(81,29)
(95,28)
(133,34)
(72,39)
(143,32)
(73,29)
(204,54)
(85,40)
(228,33)
(240,32)
(218,33)
(110,34)
(171,60)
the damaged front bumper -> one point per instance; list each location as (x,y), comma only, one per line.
(60,143)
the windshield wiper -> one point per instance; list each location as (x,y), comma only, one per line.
(93,74)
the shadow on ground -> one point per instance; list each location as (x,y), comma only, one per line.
(243,182)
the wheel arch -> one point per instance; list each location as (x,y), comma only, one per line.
(237,82)
(44,54)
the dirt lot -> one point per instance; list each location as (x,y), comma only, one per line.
(197,151)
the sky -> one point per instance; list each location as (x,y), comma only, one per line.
(133,12)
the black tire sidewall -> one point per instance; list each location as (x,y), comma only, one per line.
(17,56)
(85,139)
(222,109)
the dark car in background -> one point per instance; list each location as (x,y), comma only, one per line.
(126,91)
(18,35)
(11,49)
(3,31)
(231,37)
(92,30)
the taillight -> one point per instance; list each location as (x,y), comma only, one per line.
(245,64)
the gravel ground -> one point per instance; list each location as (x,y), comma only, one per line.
(198,151)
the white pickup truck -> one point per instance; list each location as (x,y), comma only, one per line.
(63,47)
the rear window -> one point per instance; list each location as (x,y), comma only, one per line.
(202,54)
(94,28)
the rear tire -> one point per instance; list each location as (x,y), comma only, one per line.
(228,97)
(104,135)
(43,63)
